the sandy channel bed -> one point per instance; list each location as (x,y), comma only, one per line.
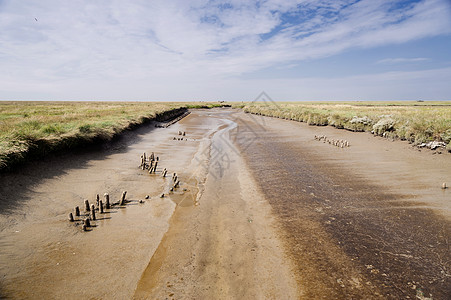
(44,256)
(267,213)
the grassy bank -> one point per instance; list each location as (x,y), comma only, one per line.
(37,128)
(416,122)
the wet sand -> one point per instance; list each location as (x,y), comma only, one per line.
(263,211)
(369,221)
(227,247)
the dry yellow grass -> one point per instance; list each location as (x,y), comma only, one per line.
(416,122)
(60,125)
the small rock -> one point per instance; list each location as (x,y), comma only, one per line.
(147,196)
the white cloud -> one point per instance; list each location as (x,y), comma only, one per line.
(138,47)
(401,60)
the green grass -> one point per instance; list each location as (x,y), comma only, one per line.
(29,126)
(416,122)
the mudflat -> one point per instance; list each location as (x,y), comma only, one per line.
(263,211)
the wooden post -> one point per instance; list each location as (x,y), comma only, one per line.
(152,156)
(97,199)
(101,206)
(107,200)
(155,167)
(93,212)
(71,217)
(175,178)
(85,228)
(122,202)
(87,222)
(87,205)
(77,211)
(165,172)
(444,186)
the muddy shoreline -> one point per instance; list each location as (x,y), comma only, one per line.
(44,148)
(348,236)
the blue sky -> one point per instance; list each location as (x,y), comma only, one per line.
(225,50)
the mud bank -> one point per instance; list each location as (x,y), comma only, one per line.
(43,255)
(42,148)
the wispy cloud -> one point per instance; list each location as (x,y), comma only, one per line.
(144,43)
(399,60)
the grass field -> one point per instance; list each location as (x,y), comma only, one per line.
(416,122)
(62,125)
(50,126)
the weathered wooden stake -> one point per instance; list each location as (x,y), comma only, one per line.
(87,205)
(87,222)
(155,167)
(122,202)
(152,156)
(101,206)
(175,178)
(151,166)
(71,217)
(107,200)
(93,212)
(85,228)
(77,211)
(165,172)
(97,199)
(444,186)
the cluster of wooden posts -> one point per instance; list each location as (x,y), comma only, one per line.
(90,210)
(182,133)
(165,125)
(151,162)
(338,143)
(148,162)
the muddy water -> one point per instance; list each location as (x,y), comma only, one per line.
(369,221)
(43,255)
(227,247)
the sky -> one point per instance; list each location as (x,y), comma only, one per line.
(200,50)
